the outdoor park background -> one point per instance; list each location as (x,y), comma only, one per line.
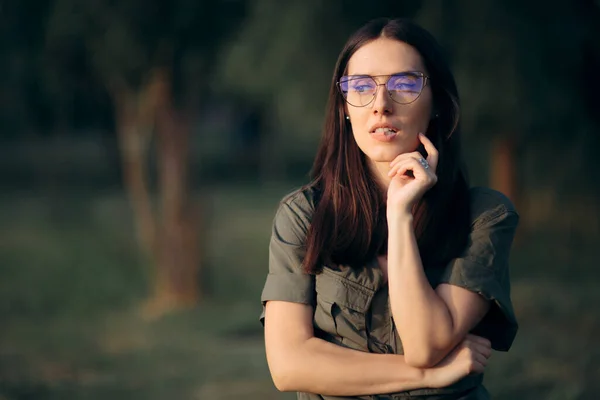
(119,280)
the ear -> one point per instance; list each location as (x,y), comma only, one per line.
(346,114)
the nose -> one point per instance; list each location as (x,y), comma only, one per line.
(383,102)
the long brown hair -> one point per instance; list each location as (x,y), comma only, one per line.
(349,226)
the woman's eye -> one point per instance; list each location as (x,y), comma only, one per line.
(362,88)
(404,83)
(403,86)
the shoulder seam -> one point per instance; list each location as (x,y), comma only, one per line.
(299,195)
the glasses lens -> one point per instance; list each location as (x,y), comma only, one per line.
(406,87)
(358,90)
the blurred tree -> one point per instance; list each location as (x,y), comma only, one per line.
(519,67)
(520,70)
(155,59)
(279,60)
(282,58)
(482,42)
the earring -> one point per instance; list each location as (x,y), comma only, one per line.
(348,117)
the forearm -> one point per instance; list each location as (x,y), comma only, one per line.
(321,367)
(422,318)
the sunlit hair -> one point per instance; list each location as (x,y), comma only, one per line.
(349,226)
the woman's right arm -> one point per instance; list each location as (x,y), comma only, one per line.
(300,362)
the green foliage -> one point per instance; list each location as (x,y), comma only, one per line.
(283,58)
(518,67)
(123,41)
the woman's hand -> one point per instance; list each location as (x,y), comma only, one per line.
(412,176)
(469,357)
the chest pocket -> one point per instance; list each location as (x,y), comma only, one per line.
(342,308)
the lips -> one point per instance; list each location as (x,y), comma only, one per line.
(385,133)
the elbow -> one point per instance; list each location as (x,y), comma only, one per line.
(424,357)
(419,360)
(426,351)
(288,365)
(283,380)
(283,375)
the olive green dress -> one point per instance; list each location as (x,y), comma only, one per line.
(352,307)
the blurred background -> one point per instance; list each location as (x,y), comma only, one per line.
(145,144)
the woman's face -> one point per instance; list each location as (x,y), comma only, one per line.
(385,57)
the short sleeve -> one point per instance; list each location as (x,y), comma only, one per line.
(484,267)
(286,280)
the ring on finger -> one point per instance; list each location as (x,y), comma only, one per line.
(424,163)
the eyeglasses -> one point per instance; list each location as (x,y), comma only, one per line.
(403,87)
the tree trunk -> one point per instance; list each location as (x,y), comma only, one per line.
(178,263)
(503,167)
(169,239)
(134,130)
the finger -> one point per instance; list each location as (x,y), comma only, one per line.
(483,350)
(478,368)
(408,164)
(478,358)
(417,156)
(432,153)
(478,339)
(405,156)
(399,164)
(402,167)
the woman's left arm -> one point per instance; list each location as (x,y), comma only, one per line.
(430,322)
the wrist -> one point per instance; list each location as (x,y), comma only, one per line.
(428,377)
(399,217)
(413,376)
(399,209)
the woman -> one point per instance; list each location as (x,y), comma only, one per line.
(388,275)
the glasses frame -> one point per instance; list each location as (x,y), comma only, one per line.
(426,80)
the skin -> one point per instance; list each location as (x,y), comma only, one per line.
(384,57)
(430,322)
(299,361)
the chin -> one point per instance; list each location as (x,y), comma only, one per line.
(385,154)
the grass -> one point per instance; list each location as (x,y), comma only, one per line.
(71,282)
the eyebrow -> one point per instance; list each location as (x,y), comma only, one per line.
(394,73)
